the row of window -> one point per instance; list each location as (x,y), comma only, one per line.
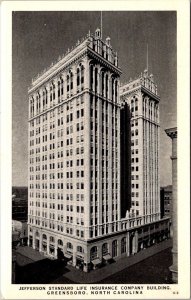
(79,162)
(51,225)
(39,99)
(68,186)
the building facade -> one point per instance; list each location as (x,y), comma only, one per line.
(166,201)
(20,204)
(172,133)
(74,195)
(140,104)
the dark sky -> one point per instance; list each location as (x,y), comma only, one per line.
(40,37)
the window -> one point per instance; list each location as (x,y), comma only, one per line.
(114,248)
(93,253)
(123,245)
(80,249)
(104,249)
(69,246)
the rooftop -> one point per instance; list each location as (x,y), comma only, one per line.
(88,40)
(143,80)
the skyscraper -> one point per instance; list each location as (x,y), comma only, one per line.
(79,155)
(140,105)
(74,147)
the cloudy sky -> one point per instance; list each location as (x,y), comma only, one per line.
(38,38)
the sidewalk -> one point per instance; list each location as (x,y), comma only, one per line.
(78,276)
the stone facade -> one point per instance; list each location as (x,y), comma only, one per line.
(172,133)
(142,100)
(74,162)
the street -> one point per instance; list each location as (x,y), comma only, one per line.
(148,266)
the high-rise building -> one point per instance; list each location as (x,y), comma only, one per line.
(140,110)
(74,147)
(77,147)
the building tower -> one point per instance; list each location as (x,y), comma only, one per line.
(74,152)
(140,110)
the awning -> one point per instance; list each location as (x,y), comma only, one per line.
(107,256)
(68,255)
(96,261)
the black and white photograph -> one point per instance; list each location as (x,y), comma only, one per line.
(94,202)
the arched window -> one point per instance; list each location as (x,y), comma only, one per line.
(123,245)
(39,101)
(68,82)
(80,249)
(51,94)
(43,99)
(44,237)
(96,79)
(106,86)
(116,90)
(114,248)
(46,96)
(112,88)
(93,252)
(60,242)
(104,249)
(53,91)
(82,74)
(136,104)
(102,83)
(62,86)
(32,107)
(91,77)
(78,76)
(71,81)
(58,89)
(37,233)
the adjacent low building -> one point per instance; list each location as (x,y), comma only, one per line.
(20,203)
(166,201)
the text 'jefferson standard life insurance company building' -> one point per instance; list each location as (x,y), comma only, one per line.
(93,158)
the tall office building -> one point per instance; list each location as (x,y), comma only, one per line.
(74,149)
(140,116)
(78,158)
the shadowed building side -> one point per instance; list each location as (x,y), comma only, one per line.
(125,159)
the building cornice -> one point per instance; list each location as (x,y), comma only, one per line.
(80,52)
(93,54)
(139,86)
(58,68)
(147,91)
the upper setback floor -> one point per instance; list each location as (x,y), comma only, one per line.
(91,65)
